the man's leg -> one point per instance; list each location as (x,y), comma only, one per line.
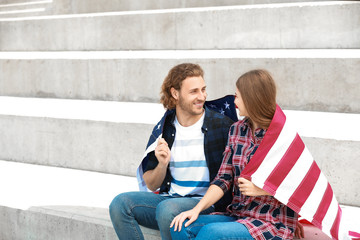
(130,209)
(170,208)
(213,227)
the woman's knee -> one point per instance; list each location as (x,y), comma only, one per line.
(224,230)
(183,234)
(210,231)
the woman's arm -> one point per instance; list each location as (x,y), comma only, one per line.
(213,194)
(247,188)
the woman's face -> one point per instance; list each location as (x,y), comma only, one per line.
(240,104)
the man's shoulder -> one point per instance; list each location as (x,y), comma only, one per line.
(167,118)
(215,117)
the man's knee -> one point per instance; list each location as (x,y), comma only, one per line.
(165,211)
(170,208)
(121,204)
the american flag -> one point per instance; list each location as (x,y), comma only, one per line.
(224,105)
(284,167)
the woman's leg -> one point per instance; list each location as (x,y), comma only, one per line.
(224,230)
(194,229)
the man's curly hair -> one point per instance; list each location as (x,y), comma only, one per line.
(174,80)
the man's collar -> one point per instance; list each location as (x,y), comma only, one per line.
(171,114)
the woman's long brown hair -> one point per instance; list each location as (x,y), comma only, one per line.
(258,92)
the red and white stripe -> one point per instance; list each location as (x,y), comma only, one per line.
(284,167)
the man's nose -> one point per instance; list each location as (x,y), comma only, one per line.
(202,96)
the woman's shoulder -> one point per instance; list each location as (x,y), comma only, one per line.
(240,126)
(241,123)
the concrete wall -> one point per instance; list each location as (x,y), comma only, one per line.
(30,8)
(319,81)
(89,6)
(218,28)
(338,161)
(6,2)
(118,148)
(312,80)
(60,223)
(89,145)
(33,224)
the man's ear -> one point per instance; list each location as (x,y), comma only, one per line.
(174,93)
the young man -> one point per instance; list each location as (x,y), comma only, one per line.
(185,160)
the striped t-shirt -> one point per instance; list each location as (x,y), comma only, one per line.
(187,164)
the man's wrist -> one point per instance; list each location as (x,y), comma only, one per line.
(162,165)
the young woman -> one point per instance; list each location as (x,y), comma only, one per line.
(253,213)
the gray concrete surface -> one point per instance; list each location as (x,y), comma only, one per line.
(39,223)
(338,161)
(23,5)
(316,80)
(236,27)
(97,146)
(6,2)
(17,224)
(90,6)
(8,8)
(59,203)
(60,223)
(117,148)
(308,80)
(23,9)
(72,204)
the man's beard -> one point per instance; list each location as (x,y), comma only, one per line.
(189,107)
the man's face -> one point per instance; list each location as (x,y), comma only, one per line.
(192,96)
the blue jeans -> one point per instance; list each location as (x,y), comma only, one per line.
(131,209)
(215,227)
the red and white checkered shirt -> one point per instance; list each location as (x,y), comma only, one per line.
(264,216)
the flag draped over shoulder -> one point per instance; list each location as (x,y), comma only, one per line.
(284,167)
(224,105)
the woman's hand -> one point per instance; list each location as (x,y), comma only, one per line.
(177,222)
(247,188)
(299,231)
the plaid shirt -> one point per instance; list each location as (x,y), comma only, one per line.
(215,128)
(264,216)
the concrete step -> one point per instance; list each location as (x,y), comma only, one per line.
(91,6)
(97,137)
(59,203)
(110,137)
(16,8)
(8,2)
(228,27)
(71,204)
(315,80)
(24,9)
(22,13)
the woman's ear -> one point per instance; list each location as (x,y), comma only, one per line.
(174,93)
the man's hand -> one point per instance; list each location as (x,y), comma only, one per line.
(162,152)
(247,188)
(154,178)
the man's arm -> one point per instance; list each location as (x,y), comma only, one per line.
(154,178)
